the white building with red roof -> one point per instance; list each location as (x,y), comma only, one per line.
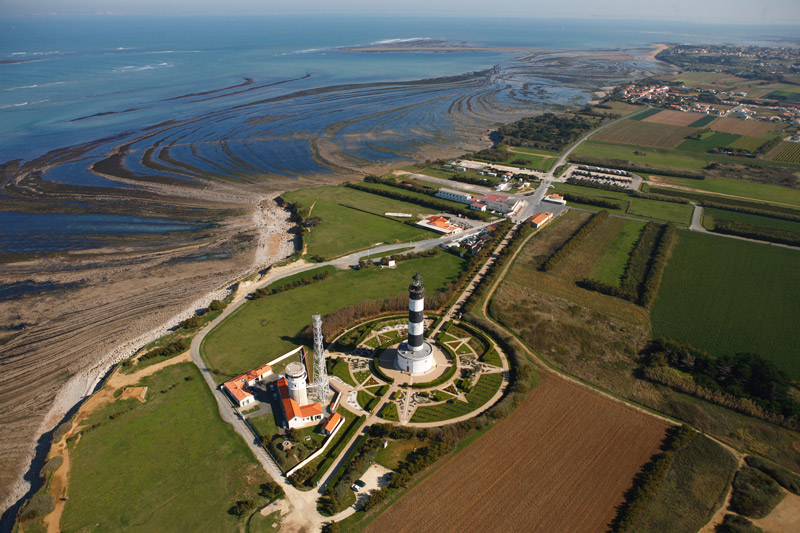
(238,388)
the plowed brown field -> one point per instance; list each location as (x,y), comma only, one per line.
(674,118)
(641,133)
(753,128)
(560,462)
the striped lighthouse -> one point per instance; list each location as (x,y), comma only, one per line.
(416,309)
(414,355)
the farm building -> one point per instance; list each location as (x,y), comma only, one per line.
(238,387)
(540,219)
(455,196)
(477,206)
(555,199)
(439,225)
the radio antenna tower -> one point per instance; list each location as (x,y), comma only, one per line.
(320,370)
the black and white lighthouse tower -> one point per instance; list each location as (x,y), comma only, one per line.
(415,356)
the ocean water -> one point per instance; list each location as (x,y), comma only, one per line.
(230,98)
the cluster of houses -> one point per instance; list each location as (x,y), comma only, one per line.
(500,203)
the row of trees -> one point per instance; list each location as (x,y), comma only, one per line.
(592,200)
(173,348)
(791,216)
(567,248)
(639,261)
(780,236)
(432,202)
(301,282)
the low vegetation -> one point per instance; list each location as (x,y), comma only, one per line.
(755,494)
(546,132)
(575,240)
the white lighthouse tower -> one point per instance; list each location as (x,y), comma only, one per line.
(296,380)
(415,356)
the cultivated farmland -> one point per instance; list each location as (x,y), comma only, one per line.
(560,462)
(788,152)
(743,298)
(753,128)
(674,118)
(642,133)
(750,144)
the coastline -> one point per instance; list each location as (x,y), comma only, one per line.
(274,244)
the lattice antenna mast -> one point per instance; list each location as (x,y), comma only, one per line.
(320,370)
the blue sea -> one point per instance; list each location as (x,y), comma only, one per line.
(185,99)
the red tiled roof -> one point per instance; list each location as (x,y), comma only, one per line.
(256,372)
(238,389)
(541,217)
(330,424)
(294,409)
(496,197)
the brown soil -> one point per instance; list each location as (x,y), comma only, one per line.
(140,393)
(560,462)
(674,118)
(785,516)
(753,128)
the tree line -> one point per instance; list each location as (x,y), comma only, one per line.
(301,282)
(761,233)
(432,202)
(592,200)
(545,132)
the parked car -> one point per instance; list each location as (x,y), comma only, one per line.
(358,485)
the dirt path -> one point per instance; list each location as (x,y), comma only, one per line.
(59,483)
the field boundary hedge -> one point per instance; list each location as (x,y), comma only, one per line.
(740,229)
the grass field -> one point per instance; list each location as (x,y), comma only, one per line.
(169,464)
(611,265)
(620,108)
(745,189)
(651,209)
(266,328)
(481,392)
(674,118)
(707,141)
(562,446)
(643,133)
(741,298)
(752,128)
(530,160)
(694,486)
(755,220)
(788,152)
(364,226)
(703,122)
(646,114)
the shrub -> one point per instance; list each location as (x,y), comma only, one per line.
(733,523)
(40,504)
(190,323)
(173,348)
(785,478)
(645,486)
(51,465)
(241,507)
(216,305)
(755,494)
(271,490)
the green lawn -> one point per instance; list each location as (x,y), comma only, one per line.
(708,140)
(396,452)
(341,369)
(746,189)
(664,157)
(263,329)
(693,487)
(611,265)
(169,464)
(483,390)
(755,220)
(652,209)
(728,296)
(358,216)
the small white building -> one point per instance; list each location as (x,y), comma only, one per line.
(540,219)
(501,203)
(238,388)
(555,199)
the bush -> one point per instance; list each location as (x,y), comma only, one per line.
(592,200)
(241,507)
(604,288)
(40,504)
(645,486)
(785,478)
(216,305)
(271,490)
(51,465)
(733,523)
(173,348)
(755,494)
(190,323)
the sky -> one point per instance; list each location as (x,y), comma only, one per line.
(720,11)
